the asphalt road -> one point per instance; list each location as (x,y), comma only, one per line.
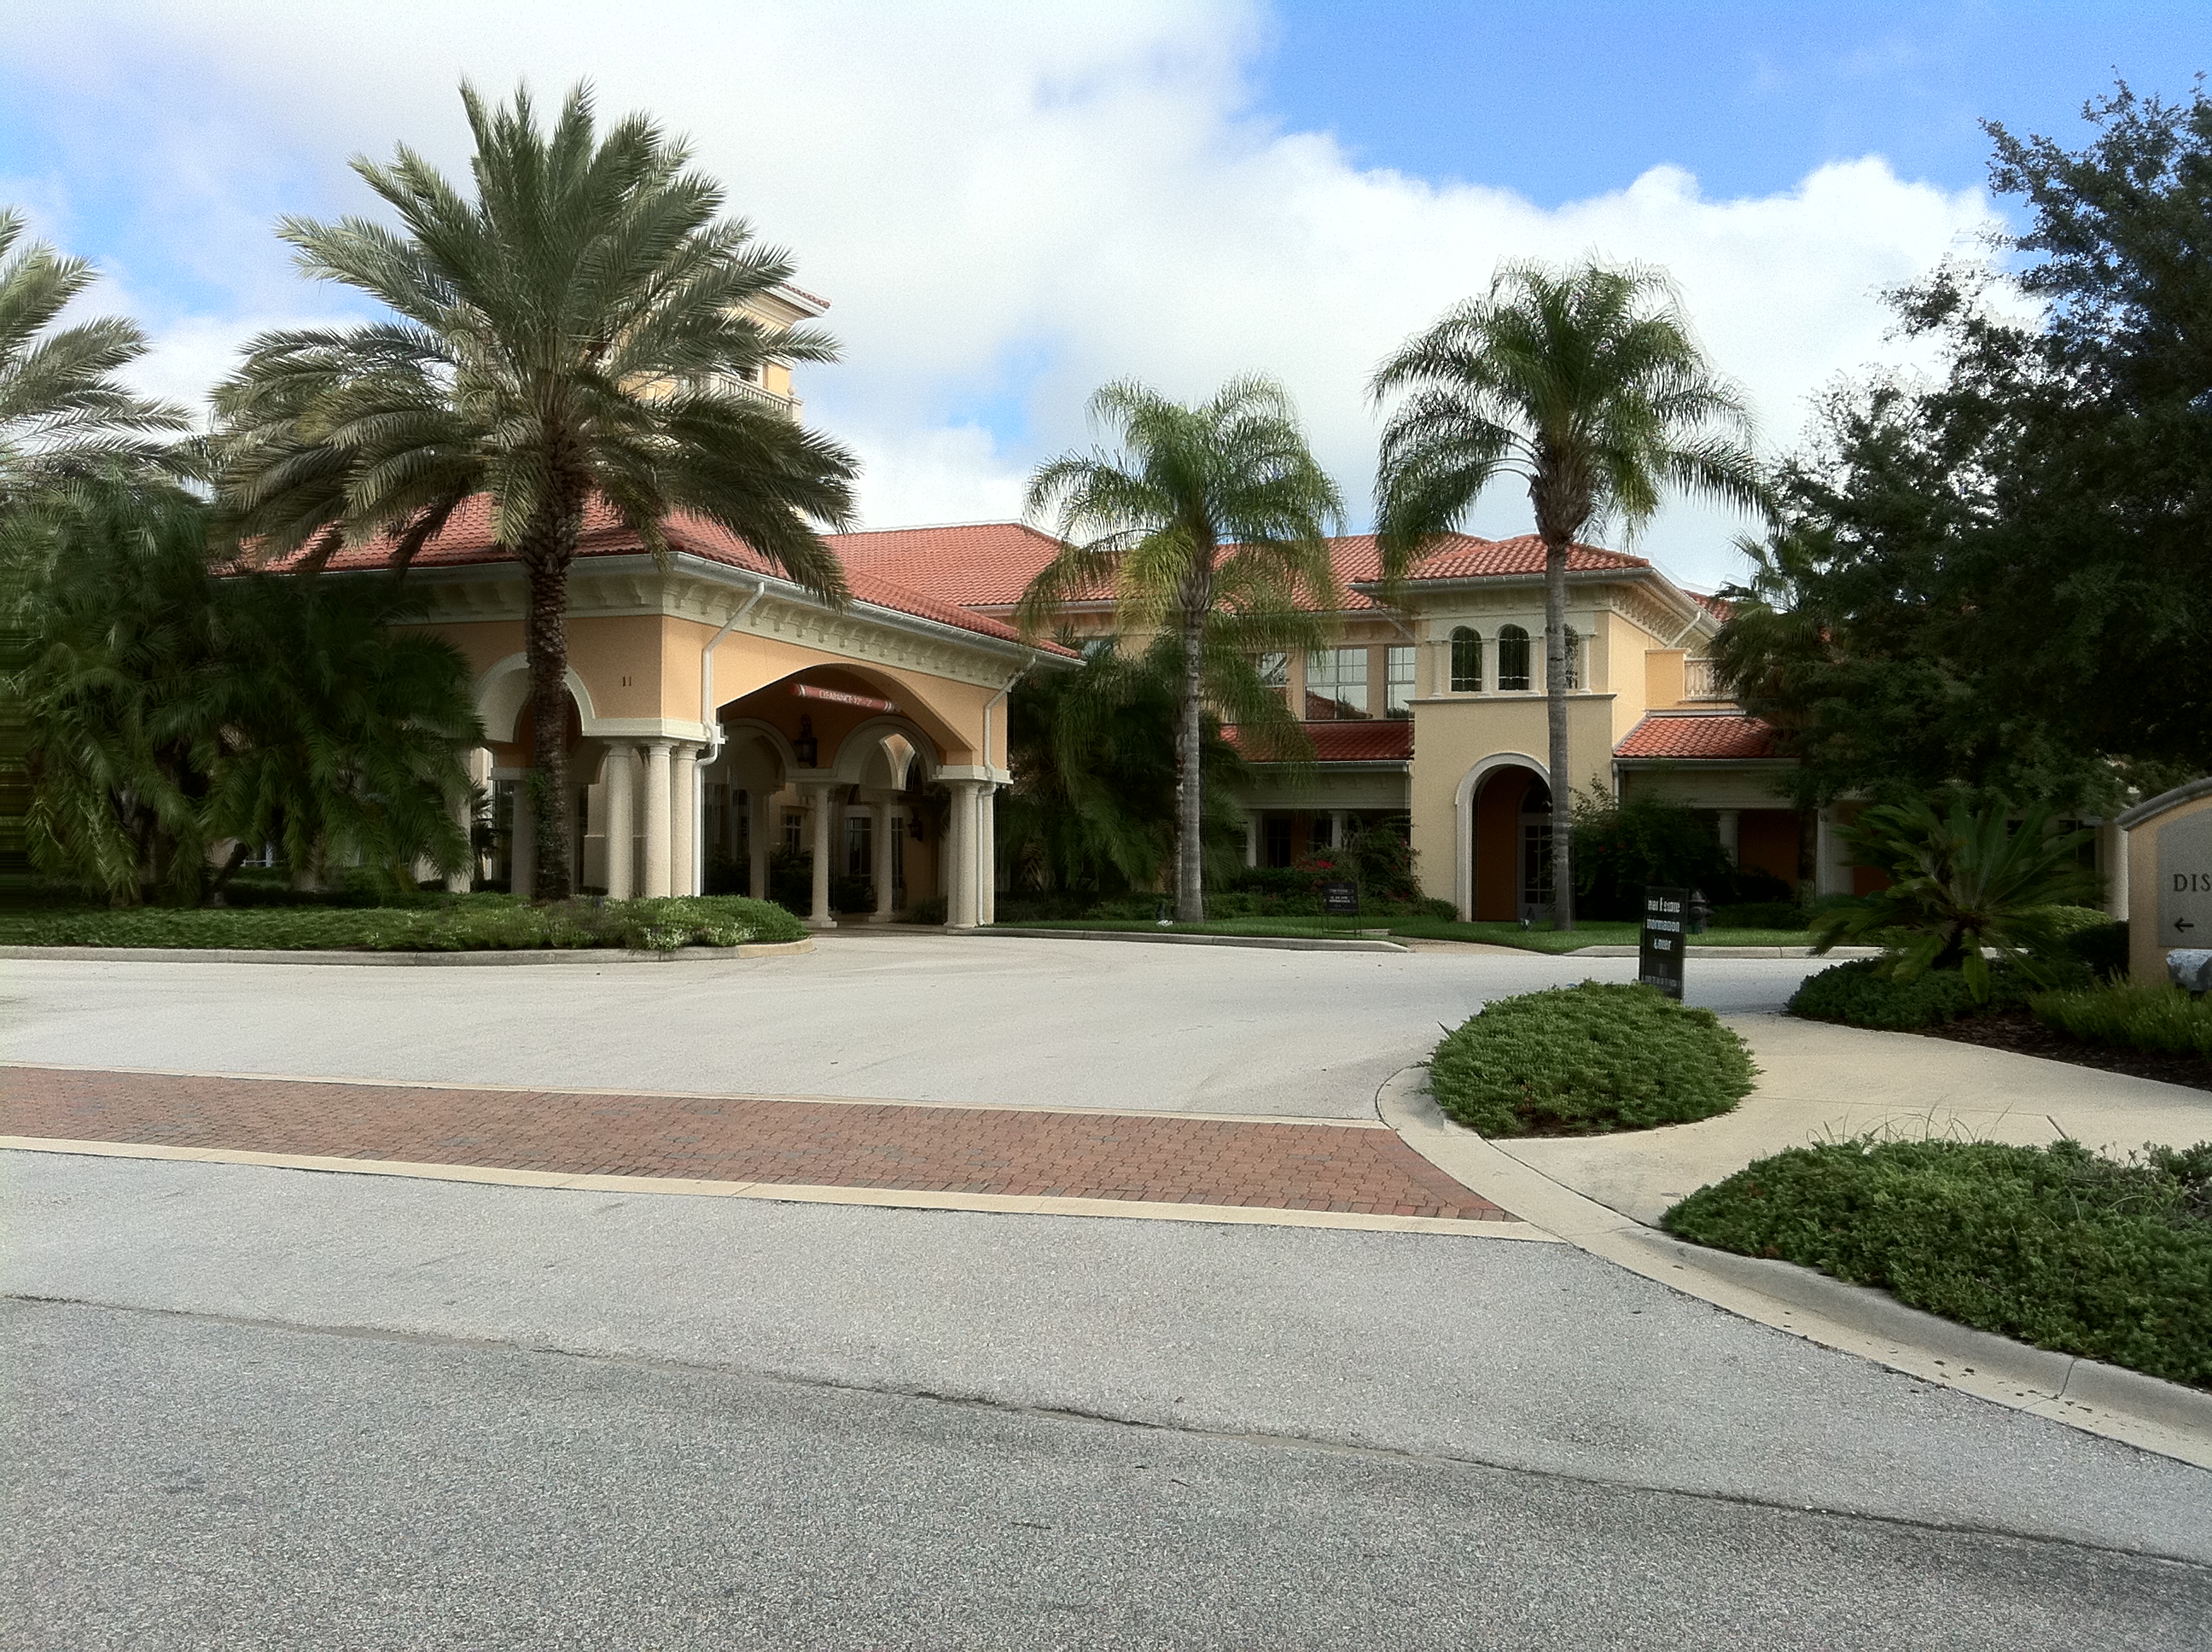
(920,1017)
(266,1408)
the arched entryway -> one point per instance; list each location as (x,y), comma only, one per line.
(1506,841)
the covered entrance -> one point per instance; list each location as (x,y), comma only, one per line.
(1508,849)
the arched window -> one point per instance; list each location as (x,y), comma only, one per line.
(1467,661)
(1574,658)
(1512,659)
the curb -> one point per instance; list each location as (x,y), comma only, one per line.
(789,1193)
(1278,942)
(2140,1411)
(590,955)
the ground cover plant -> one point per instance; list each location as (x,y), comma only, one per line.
(2161,1018)
(448,924)
(2055,1246)
(1587,1060)
(1858,993)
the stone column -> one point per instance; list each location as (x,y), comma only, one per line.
(657,796)
(821,917)
(1336,829)
(986,855)
(621,822)
(684,821)
(960,857)
(522,846)
(1251,839)
(1731,824)
(884,842)
(756,842)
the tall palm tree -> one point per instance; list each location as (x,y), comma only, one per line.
(1209,525)
(62,411)
(1587,383)
(579,328)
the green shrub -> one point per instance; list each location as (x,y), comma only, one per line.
(1759,914)
(1858,994)
(2101,948)
(454,924)
(1586,1060)
(2162,1018)
(2054,1246)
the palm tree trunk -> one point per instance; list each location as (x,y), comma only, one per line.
(1555,719)
(1190,810)
(545,646)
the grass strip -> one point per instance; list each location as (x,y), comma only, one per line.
(1431,929)
(465,923)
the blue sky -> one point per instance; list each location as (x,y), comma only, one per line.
(1010,204)
(1563,100)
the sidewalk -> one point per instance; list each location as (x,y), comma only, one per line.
(1819,1082)
(1351,1169)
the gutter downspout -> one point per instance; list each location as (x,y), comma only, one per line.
(714,737)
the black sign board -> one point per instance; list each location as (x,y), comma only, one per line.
(1340,900)
(1659,950)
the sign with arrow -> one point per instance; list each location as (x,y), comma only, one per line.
(2185,881)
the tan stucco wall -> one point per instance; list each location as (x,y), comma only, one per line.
(1451,736)
(2147,948)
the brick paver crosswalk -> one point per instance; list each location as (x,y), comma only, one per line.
(1167,1157)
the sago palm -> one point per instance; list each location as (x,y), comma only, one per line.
(1587,384)
(62,410)
(1208,525)
(1963,883)
(576,328)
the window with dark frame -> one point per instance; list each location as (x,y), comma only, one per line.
(1512,660)
(1466,660)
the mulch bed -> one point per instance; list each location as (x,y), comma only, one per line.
(2018,1032)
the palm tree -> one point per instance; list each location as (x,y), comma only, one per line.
(1208,525)
(579,328)
(1587,383)
(62,411)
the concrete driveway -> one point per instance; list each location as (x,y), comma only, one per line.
(916,1017)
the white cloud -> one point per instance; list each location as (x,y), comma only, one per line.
(1008,205)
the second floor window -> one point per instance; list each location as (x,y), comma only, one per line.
(1274,669)
(1512,660)
(1466,660)
(1336,683)
(1574,658)
(1398,683)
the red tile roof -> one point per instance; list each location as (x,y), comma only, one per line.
(988,564)
(1465,558)
(1379,739)
(979,564)
(1708,735)
(467,538)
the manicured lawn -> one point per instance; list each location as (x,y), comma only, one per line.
(448,924)
(1433,929)
(2053,1245)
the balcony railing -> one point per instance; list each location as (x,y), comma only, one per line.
(1701,680)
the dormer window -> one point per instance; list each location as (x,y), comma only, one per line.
(1512,660)
(1466,660)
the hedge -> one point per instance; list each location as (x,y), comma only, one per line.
(455,924)
(1857,994)
(1587,1060)
(2053,1245)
